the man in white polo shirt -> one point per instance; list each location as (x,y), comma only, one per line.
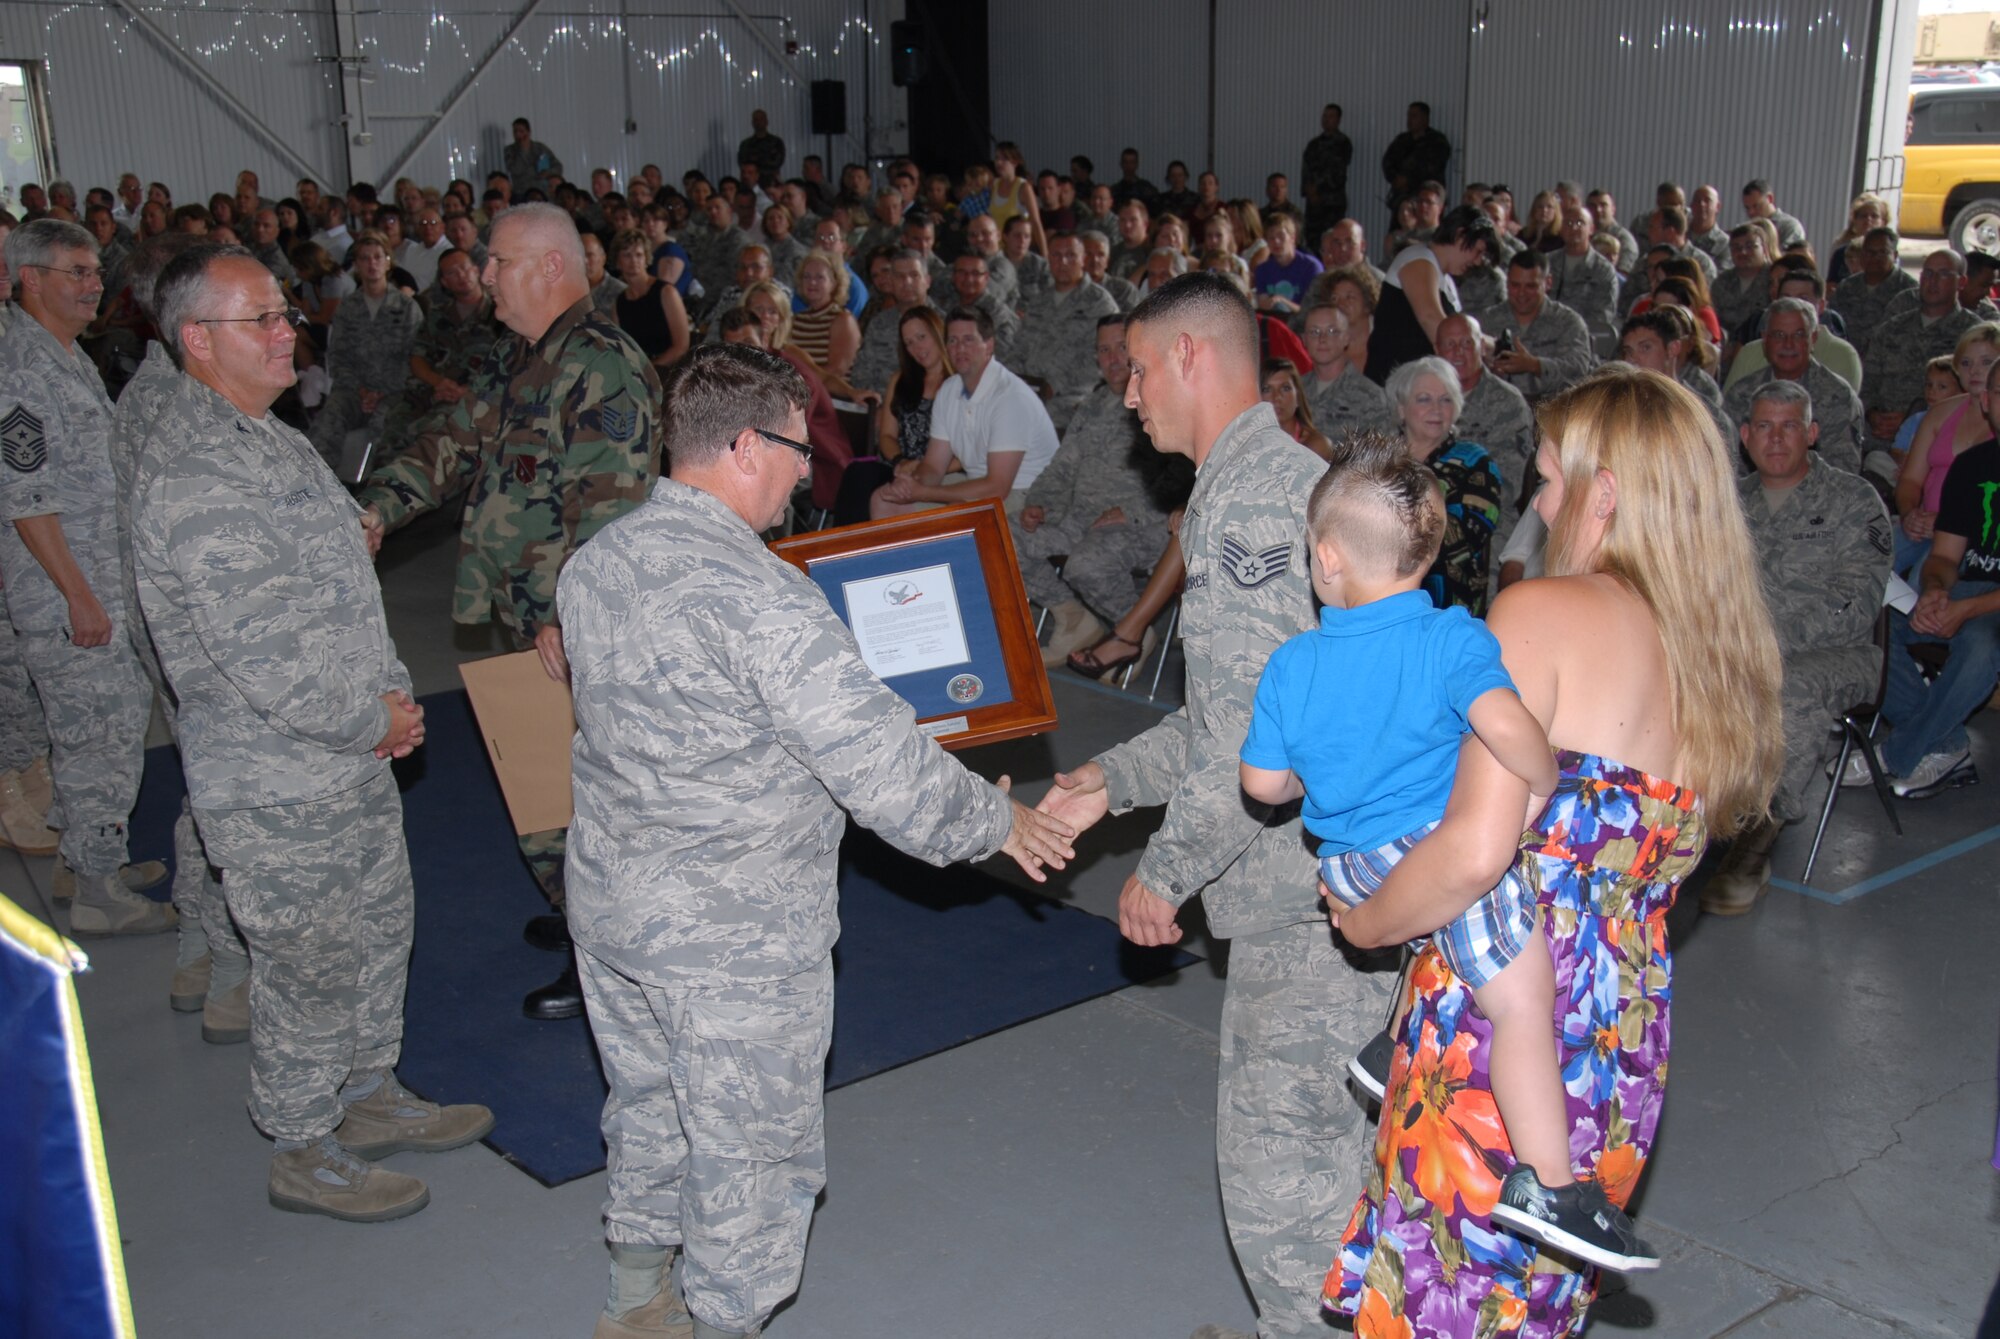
(990,434)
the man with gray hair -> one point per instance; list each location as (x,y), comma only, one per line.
(59,559)
(1494,414)
(1823,543)
(260,596)
(1790,331)
(709,973)
(1097,269)
(557,438)
(211,965)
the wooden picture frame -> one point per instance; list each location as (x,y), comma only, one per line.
(921,580)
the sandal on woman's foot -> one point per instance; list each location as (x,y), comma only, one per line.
(1092,664)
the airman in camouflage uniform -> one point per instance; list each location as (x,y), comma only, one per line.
(1739,295)
(1710,394)
(559,438)
(1059,338)
(982,239)
(1863,297)
(1543,329)
(703,894)
(1031,272)
(1291,1143)
(1823,555)
(970,288)
(58,488)
(264,607)
(1094,503)
(211,961)
(1482,290)
(453,343)
(1323,174)
(1586,283)
(1097,269)
(367,356)
(1892,371)
(1342,398)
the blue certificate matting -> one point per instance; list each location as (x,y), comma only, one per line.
(928,690)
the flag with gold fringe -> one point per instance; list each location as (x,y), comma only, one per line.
(61,1270)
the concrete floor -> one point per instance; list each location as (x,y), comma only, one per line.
(1822,1167)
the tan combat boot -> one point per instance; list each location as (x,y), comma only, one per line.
(392,1119)
(190,986)
(104,906)
(137,878)
(39,785)
(662,1318)
(1744,875)
(225,1018)
(328,1179)
(1075,628)
(23,826)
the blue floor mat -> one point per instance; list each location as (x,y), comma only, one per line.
(928,959)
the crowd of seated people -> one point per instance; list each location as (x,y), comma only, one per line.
(895,290)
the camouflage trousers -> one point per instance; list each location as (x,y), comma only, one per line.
(1101,561)
(715,1128)
(1819,685)
(340,415)
(203,919)
(321,891)
(24,732)
(97,705)
(1292,1144)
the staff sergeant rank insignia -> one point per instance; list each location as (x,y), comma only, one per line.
(1251,570)
(23,442)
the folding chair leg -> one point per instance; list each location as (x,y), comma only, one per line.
(1832,794)
(1041,621)
(1878,776)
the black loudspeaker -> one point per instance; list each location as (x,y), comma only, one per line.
(908,60)
(829,107)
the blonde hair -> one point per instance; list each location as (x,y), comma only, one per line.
(834,269)
(769,288)
(1678,540)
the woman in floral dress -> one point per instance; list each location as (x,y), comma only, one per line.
(1649,657)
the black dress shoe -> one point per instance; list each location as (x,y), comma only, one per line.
(548,933)
(560,998)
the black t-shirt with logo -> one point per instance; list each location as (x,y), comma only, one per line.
(1970,506)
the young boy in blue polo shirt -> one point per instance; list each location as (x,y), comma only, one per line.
(1363,719)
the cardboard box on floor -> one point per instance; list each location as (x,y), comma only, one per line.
(527,721)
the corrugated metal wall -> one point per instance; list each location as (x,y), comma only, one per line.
(1619,93)
(694,76)
(1289,58)
(1092,79)
(119,103)
(1627,93)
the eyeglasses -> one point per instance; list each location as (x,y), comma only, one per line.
(803,448)
(83,274)
(268,322)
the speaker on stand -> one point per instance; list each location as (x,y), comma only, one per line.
(829,116)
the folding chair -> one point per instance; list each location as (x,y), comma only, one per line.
(1857,726)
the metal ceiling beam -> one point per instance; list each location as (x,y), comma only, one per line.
(218,90)
(527,12)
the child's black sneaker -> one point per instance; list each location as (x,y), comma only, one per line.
(1371,1068)
(1576,1219)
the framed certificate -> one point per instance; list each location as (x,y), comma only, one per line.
(935,603)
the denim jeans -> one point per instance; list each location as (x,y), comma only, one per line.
(1930,718)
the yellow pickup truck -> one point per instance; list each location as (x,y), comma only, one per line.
(1951,167)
